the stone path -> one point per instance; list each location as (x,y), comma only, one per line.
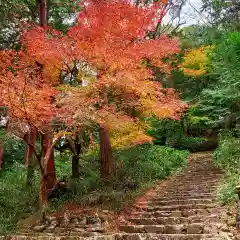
(183,207)
(180,208)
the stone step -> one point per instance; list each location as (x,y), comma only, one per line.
(191,175)
(202,174)
(189,192)
(193,185)
(189,189)
(194,178)
(176,201)
(173,187)
(196,171)
(162,237)
(195,228)
(175,207)
(177,213)
(121,236)
(194,182)
(174,220)
(159,197)
(66,232)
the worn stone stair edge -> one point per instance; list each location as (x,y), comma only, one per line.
(118,236)
(174,220)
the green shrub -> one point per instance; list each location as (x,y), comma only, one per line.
(14,149)
(170,129)
(227,157)
(149,162)
(136,169)
(16,200)
(173,133)
(63,166)
(227,188)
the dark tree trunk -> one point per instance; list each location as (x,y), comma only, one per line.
(42,5)
(75,166)
(30,157)
(75,159)
(43,194)
(48,178)
(1,155)
(171,82)
(106,160)
(50,170)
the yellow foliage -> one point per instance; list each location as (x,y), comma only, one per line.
(135,134)
(195,61)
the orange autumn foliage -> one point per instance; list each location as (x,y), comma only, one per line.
(25,91)
(111,38)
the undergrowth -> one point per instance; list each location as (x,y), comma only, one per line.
(16,201)
(227,158)
(137,168)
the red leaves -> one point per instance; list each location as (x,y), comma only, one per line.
(24,91)
(109,40)
(112,33)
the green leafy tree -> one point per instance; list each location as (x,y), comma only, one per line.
(222,100)
(222,13)
(15,13)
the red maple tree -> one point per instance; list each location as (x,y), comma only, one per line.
(112,37)
(110,47)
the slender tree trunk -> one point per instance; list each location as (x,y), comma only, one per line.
(75,166)
(75,159)
(30,157)
(48,179)
(1,155)
(43,193)
(50,170)
(106,160)
(171,82)
(75,147)
(42,5)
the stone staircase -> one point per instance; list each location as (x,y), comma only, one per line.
(182,207)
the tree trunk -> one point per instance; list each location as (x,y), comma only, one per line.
(50,170)
(228,122)
(171,82)
(42,5)
(30,157)
(1,155)
(43,193)
(106,160)
(75,166)
(76,158)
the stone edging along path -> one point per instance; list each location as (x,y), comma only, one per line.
(182,207)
